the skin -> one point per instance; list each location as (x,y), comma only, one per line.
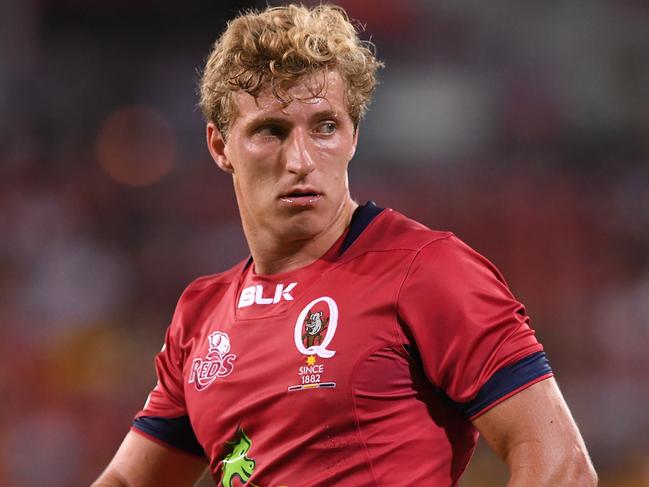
(272,151)
(141,462)
(534,433)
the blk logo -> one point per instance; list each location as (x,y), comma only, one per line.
(255,295)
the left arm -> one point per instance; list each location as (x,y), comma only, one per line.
(535,434)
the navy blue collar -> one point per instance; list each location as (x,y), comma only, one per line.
(361,218)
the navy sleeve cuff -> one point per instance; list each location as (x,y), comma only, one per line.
(507,380)
(176,432)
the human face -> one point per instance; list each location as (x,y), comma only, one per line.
(289,163)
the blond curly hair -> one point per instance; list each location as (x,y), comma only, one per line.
(278,47)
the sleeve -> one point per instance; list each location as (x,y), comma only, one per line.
(164,417)
(472,335)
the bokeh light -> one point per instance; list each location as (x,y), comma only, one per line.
(524,129)
(136,146)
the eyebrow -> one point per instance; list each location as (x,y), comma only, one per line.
(274,119)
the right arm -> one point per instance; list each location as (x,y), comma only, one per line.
(175,459)
(141,462)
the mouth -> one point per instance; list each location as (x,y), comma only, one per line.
(300,197)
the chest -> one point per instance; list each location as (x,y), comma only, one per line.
(286,368)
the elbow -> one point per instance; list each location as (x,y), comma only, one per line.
(580,471)
(589,475)
(110,478)
(585,477)
(554,468)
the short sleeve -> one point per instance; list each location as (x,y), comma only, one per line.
(164,416)
(470,332)
(167,399)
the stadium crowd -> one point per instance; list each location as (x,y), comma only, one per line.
(523,128)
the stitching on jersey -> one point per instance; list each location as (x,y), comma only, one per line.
(306,287)
(357,423)
(514,358)
(397,326)
(203,282)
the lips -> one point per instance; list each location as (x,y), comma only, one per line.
(300,193)
(300,197)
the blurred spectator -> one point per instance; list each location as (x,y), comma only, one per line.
(522,127)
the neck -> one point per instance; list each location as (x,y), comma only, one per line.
(276,252)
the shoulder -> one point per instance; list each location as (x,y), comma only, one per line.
(413,245)
(212,282)
(391,230)
(203,294)
(433,260)
(449,266)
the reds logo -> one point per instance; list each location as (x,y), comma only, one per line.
(217,364)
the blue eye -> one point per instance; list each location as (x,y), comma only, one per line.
(327,128)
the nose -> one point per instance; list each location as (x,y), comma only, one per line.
(299,158)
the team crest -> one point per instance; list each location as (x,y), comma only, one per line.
(218,362)
(316,326)
(315,329)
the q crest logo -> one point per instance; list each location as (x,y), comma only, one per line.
(316,326)
(218,362)
(314,329)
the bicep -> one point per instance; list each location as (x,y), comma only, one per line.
(535,434)
(142,462)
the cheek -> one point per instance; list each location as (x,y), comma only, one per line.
(337,180)
(261,160)
(342,144)
(337,152)
(256,164)
(254,150)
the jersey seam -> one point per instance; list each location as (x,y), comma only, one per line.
(396,317)
(326,271)
(396,324)
(210,280)
(340,261)
(176,358)
(354,406)
(520,355)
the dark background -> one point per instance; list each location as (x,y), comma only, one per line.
(522,126)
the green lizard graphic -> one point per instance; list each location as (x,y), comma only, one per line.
(236,463)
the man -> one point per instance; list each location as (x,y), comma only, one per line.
(355,347)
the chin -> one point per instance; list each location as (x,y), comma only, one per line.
(301,227)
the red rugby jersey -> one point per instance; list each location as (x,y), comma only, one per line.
(363,368)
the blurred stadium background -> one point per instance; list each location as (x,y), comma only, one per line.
(523,126)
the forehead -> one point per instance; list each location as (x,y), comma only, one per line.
(328,87)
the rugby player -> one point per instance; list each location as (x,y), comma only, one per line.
(354,346)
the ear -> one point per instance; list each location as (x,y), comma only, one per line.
(351,155)
(216,146)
